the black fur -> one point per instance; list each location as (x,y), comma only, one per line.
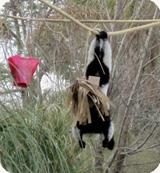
(97,126)
(95,69)
(97,66)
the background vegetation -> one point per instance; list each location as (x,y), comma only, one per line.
(35,124)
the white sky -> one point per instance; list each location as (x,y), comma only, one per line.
(47,81)
(2,2)
(157,2)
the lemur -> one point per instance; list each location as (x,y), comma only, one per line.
(99,64)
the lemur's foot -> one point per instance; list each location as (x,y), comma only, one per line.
(82,144)
(109,145)
(104,143)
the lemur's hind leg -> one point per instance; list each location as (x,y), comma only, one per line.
(82,144)
(108,144)
(78,136)
(108,141)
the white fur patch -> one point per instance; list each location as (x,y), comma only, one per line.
(101,44)
(76,133)
(107,55)
(104,89)
(111,131)
(91,51)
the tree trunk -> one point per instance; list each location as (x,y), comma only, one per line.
(122,141)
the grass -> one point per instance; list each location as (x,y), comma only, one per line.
(144,161)
(38,140)
(35,142)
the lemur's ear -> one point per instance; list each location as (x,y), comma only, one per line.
(103,35)
(98,30)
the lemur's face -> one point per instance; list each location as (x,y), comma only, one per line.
(99,51)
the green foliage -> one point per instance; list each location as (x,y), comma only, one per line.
(90,3)
(130,10)
(35,142)
(80,1)
(111,4)
(146,161)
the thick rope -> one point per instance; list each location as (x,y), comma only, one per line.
(82,21)
(138,28)
(69,17)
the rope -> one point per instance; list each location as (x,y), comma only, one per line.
(138,28)
(69,16)
(155,22)
(82,21)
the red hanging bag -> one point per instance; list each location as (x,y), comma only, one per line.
(22,69)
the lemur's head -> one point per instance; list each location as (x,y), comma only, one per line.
(102,35)
(100,41)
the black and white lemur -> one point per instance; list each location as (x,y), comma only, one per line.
(99,64)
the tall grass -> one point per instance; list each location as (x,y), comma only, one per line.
(35,142)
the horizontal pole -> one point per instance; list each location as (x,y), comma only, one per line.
(59,10)
(134,29)
(83,21)
(114,33)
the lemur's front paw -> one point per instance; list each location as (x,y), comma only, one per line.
(82,144)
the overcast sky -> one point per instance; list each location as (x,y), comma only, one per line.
(2,2)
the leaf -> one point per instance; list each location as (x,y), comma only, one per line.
(80,105)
